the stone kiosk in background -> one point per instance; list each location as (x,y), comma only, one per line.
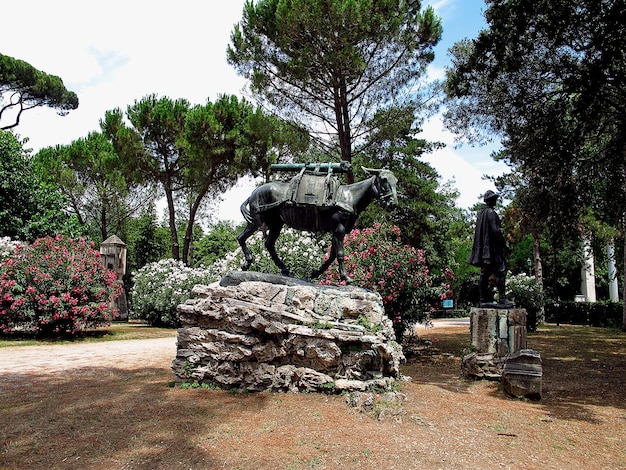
(113,257)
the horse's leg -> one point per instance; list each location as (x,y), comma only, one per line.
(339,222)
(331,257)
(338,236)
(270,245)
(243,236)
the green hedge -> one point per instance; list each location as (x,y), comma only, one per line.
(605,314)
(449,313)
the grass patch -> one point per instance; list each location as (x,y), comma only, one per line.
(114,332)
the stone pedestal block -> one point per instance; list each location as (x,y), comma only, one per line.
(523,373)
(276,334)
(499,351)
(495,333)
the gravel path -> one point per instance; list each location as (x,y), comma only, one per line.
(19,360)
(443,322)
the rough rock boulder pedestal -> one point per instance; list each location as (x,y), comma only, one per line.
(284,335)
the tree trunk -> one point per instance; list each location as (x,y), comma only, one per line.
(342,116)
(172,218)
(193,211)
(541,317)
(624,286)
(624,256)
(103,223)
(612,277)
(75,206)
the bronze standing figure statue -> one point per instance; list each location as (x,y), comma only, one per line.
(316,203)
(488,254)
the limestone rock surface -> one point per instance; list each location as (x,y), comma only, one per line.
(294,336)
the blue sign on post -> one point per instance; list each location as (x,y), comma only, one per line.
(448,303)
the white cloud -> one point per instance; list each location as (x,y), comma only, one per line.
(465,166)
(232,199)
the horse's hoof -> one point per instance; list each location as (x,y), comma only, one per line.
(285,272)
(348,280)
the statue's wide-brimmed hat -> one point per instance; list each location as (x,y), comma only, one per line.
(490,195)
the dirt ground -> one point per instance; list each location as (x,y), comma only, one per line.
(108,406)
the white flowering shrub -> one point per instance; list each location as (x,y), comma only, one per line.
(7,246)
(302,252)
(161,286)
(526,293)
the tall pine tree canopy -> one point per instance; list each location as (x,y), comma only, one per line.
(331,65)
(23,87)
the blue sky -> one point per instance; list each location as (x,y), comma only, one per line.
(461,19)
(120,50)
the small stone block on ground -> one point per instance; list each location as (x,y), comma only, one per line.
(522,374)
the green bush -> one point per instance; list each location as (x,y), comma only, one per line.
(160,287)
(603,314)
(221,239)
(54,286)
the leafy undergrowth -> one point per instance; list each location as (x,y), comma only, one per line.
(118,416)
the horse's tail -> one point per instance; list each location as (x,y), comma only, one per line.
(245,211)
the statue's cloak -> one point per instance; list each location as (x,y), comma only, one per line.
(489,243)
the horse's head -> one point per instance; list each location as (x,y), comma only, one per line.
(385,186)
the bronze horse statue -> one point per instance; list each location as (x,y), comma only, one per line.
(272,204)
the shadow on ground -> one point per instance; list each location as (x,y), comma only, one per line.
(581,366)
(120,417)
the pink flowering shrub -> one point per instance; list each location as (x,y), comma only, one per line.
(378,260)
(55,286)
